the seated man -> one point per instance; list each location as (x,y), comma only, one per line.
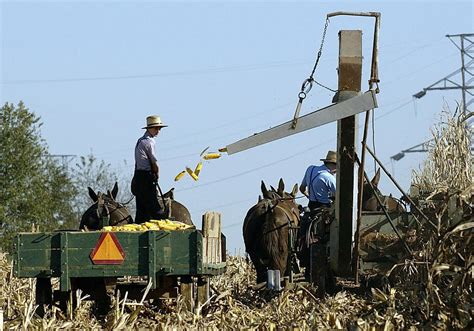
(319,182)
(319,186)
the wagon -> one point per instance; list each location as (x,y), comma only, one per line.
(151,265)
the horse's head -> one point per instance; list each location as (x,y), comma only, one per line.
(278,194)
(104,205)
(175,209)
(369,201)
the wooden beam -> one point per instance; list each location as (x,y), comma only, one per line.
(332,113)
(350,75)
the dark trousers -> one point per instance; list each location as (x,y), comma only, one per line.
(317,236)
(316,204)
(146,197)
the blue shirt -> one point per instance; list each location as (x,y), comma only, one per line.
(144,152)
(320,182)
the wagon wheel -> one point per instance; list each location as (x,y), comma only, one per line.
(43,295)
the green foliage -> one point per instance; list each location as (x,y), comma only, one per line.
(35,190)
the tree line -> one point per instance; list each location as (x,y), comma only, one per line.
(38,191)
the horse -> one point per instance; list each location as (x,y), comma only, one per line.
(174,209)
(105,204)
(266,229)
(369,201)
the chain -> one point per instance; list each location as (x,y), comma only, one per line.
(324,86)
(320,52)
(308,83)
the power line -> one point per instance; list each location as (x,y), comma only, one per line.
(257,168)
(223,69)
(249,67)
(278,161)
(466,47)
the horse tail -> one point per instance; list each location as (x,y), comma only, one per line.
(274,240)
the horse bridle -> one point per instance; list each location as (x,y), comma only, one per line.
(287,213)
(105,204)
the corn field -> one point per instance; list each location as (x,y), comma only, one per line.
(431,289)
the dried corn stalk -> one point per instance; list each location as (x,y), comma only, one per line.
(449,166)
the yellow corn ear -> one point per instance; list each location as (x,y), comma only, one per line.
(191,173)
(211,156)
(204,151)
(198,168)
(179,176)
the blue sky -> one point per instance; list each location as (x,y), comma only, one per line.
(218,72)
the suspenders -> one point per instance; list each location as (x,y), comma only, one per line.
(311,179)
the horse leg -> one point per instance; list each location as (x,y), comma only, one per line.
(260,268)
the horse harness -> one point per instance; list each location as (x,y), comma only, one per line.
(291,215)
(314,228)
(103,205)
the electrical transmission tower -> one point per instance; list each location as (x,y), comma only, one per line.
(461,79)
(450,82)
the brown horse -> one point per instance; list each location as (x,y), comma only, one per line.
(369,201)
(174,209)
(105,205)
(266,229)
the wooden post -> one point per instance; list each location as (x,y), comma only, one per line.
(350,76)
(211,232)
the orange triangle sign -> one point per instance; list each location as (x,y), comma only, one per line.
(108,250)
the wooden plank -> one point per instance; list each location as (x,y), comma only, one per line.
(202,291)
(187,292)
(312,120)
(211,230)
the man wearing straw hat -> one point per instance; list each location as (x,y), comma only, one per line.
(319,182)
(318,185)
(146,173)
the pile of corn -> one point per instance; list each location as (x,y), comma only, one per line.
(166,224)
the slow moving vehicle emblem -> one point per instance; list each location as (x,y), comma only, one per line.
(107,250)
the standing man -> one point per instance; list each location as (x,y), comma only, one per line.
(319,182)
(146,173)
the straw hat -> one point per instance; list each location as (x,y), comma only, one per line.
(331,157)
(154,121)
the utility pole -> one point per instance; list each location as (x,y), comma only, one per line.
(465,44)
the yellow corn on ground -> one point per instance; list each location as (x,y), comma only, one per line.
(192,174)
(198,168)
(211,156)
(179,176)
(150,225)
